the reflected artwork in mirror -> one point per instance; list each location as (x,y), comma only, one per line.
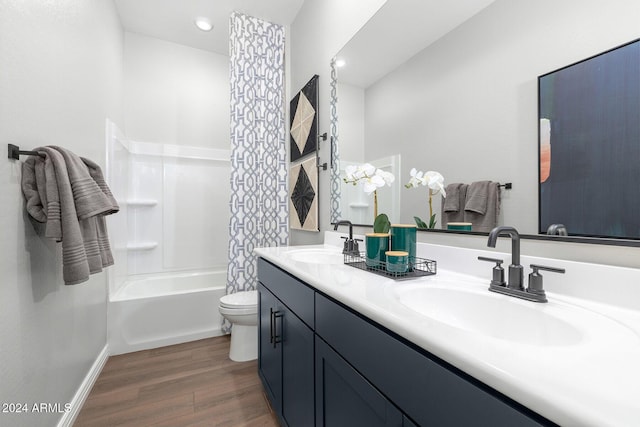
(589,145)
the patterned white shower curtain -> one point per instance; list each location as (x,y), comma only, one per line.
(259,196)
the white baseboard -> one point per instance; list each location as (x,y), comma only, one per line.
(69,418)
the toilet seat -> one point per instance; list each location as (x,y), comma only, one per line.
(246,300)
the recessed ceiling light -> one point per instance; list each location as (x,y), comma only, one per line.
(203,23)
(340,63)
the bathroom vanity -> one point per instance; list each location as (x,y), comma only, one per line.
(340,346)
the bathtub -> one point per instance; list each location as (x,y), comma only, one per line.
(157,310)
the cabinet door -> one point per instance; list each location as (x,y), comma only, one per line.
(424,388)
(345,398)
(269,351)
(297,370)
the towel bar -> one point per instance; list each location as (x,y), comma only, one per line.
(507,186)
(15,152)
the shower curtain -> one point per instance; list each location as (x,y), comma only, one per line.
(259,194)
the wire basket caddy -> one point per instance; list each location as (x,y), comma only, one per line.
(418,267)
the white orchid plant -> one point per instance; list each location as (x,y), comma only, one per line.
(435,182)
(371,179)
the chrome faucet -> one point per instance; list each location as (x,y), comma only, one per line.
(514,287)
(350,244)
(516,275)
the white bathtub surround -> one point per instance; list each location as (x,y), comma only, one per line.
(154,182)
(156,310)
(583,371)
(259,198)
(174,271)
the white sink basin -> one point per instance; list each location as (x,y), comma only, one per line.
(317,256)
(494,315)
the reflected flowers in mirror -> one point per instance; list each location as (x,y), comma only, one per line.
(435,182)
(370,178)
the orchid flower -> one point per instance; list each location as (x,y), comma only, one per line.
(386,176)
(435,182)
(416,179)
(370,178)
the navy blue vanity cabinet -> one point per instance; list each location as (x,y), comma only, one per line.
(427,390)
(269,356)
(362,373)
(286,344)
(346,398)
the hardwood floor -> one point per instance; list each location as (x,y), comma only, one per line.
(190,384)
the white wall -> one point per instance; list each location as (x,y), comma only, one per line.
(467,105)
(319,31)
(351,122)
(60,78)
(175,94)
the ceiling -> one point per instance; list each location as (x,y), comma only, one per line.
(398,31)
(173,20)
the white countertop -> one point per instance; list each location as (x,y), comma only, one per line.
(593,380)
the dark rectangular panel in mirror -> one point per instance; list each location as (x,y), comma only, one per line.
(589,145)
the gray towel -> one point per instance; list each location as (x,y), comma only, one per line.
(51,180)
(96,174)
(487,220)
(89,198)
(43,201)
(452,201)
(101,224)
(455,199)
(477,197)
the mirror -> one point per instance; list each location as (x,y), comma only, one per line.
(464,103)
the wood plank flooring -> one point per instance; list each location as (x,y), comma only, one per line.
(190,384)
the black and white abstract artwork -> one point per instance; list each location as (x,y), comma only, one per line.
(304,120)
(303,203)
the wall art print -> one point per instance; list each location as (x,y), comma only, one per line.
(304,120)
(589,142)
(303,202)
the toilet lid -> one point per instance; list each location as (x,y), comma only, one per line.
(246,299)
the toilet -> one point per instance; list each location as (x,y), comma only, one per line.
(241,309)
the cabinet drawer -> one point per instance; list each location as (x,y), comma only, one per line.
(426,390)
(293,293)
